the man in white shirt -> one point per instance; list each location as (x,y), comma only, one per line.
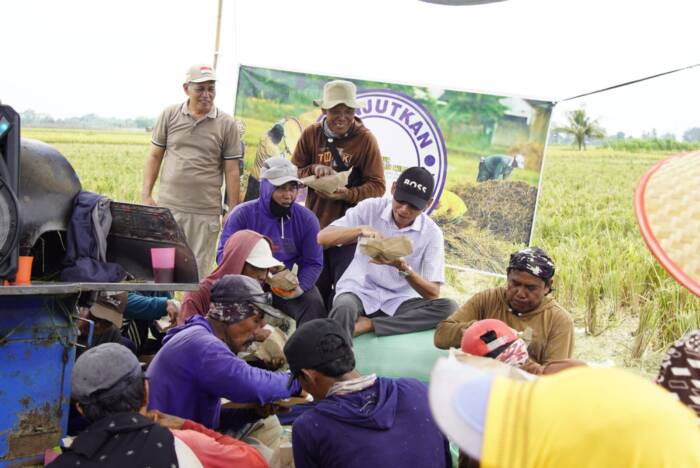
(391,297)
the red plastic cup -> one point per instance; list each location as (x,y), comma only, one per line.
(163,263)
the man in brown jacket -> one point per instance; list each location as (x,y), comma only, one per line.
(523,305)
(338,142)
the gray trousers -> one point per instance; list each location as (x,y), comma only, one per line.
(412,315)
(306,307)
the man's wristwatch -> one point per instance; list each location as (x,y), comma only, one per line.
(407,272)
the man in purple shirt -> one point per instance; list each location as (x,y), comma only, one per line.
(359,421)
(197,364)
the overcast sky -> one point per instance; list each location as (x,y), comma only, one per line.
(127,58)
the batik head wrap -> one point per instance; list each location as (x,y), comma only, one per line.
(235,298)
(532,260)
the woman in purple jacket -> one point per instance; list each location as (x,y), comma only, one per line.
(292,229)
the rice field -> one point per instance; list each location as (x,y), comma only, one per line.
(625,305)
(605,272)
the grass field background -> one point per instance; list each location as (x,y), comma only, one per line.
(627,308)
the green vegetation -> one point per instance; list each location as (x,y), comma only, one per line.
(31,118)
(581,127)
(467,120)
(110,163)
(645,145)
(54,136)
(585,221)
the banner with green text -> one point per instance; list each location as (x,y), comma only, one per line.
(485,151)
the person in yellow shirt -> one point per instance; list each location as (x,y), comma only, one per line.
(581,417)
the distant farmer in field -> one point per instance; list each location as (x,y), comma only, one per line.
(338,143)
(292,229)
(199,146)
(358,420)
(523,305)
(268,147)
(392,296)
(498,166)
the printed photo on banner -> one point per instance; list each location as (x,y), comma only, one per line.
(485,151)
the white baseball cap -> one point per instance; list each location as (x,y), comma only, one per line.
(261,256)
(519,161)
(200,73)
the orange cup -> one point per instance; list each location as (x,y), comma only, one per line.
(24,270)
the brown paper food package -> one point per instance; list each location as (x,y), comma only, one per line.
(273,346)
(391,248)
(327,184)
(284,280)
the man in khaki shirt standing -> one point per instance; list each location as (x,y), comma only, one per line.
(523,305)
(198,146)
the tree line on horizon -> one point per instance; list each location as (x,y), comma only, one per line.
(580,129)
(31,118)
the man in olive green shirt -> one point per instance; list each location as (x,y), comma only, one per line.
(199,146)
(523,305)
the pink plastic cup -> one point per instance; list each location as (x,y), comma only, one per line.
(163,263)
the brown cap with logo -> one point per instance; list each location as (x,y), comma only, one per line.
(200,74)
(110,306)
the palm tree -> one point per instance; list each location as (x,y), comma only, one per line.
(581,127)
